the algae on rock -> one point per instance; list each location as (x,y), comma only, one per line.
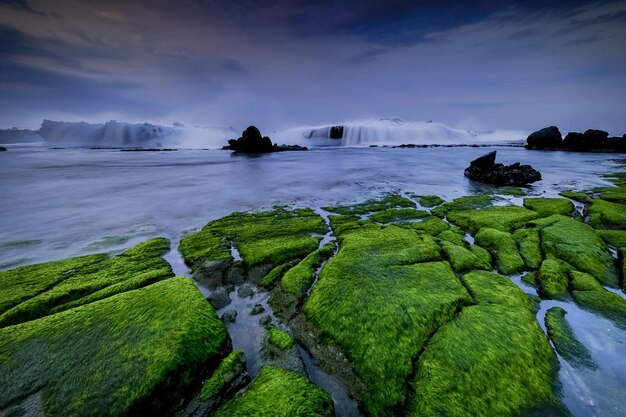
(564,340)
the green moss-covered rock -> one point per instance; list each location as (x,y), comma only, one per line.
(576,196)
(607,215)
(581,281)
(463,259)
(430,200)
(553,278)
(504,248)
(503,218)
(453,236)
(272,238)
(491,360)
(616,238)
(129,354)
(368,206)
(34,291)
(549,206)
(280,393)
(604,303)
(379,304)
(514,191)
(431,225)
(398,215)
(529,246)
(279,338)
(564,340)
(276,274)
(578,244)
(231,367)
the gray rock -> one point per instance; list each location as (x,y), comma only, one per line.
(258,309)
(265,320)
(230,316)
(219,298)
(245,291)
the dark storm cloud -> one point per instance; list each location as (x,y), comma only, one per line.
(21,5)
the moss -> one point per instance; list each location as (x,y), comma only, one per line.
(503,218)
(453,237)
(580,197)
(464,203)
(581,281)
(482,254)
(529,247)
(431,225)
(564,340)
(273,237)
(616,238)
(276,274)
(298,279)
(577,244)
(279,338)
(492,360)
(379,305)
(553,279)
(607,215)
(225,373)
(368,206)
(56,286)
(430,200)
(398,215)
(604,303)
(504,248)
(344,222)
(549,206)
(462,259)
(129,354)
(280,393)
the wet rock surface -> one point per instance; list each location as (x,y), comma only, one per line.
(592,140)
(485,169)
(251,141)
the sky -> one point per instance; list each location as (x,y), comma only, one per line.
(478,65)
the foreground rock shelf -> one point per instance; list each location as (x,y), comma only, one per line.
(406,300)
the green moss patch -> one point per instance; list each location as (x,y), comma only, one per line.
(275,275)
(604,303)
(492,360)
(564,340)
(607,215)
(463,259)
(368,206)
(529,246)
(225,373)
(34,291)
(576,196)
(503,218)
(280,393)
(616,238)
(129,354)
(549,206)
(553,278)
(379,304)
(578,244)
(273,237)
(504,248)
(430,200)
(398,215)
(431,225)
(279,338)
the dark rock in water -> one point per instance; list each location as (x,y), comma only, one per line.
(230,316)
(257,309)
(592,140)
(336,132)
(548,137)
(484,169)
(245,291)
(219,298)
(3,149)
(265,320)
(251,141)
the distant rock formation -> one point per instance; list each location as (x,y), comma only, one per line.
(3,149)
(485,169)
(251,141)
(336,132)
(592,140)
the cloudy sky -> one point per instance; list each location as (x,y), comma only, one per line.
(278,63)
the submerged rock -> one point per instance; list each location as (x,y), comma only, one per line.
(251,141)
(219,298)
(230,316)
(484,169)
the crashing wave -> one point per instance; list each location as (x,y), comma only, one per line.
(392,131)
(118,134)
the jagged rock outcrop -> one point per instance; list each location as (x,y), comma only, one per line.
(251,141)
(485,169)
